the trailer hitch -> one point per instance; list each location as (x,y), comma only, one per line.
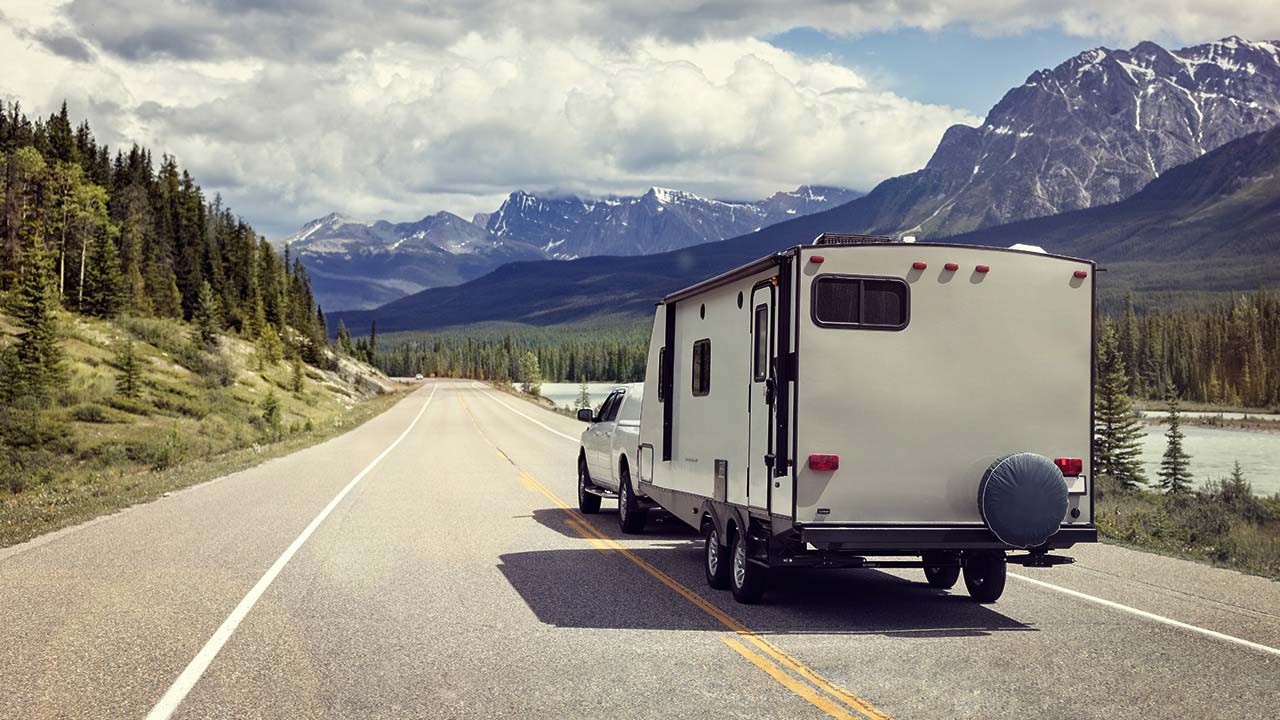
(1039,559)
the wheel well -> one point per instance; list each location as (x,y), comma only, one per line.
(582,453)
(707,521)
(623,467)
(730,532)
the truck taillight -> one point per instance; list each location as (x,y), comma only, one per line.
(824,462)
(1070,467)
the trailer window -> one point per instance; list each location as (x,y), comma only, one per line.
(702,367)
(760,362)
(870,303)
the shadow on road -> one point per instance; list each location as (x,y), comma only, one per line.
(590,588)
(660,524)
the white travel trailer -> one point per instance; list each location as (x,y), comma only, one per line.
(863,403)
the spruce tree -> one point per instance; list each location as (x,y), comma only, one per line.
(38,359)
(529,375)
(129,380)
(584,396)
(344,338)
(1175,466)
(208,316)
(104,291)
(1117,430)
(298,379)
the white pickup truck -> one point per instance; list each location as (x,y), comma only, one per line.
(608,454)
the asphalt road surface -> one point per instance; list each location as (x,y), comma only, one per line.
(427,565)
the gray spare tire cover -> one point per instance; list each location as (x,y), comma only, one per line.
(1023,498)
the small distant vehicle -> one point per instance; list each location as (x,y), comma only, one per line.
(868,403)
(418,376)
(607,455)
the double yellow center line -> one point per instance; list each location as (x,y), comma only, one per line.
(777,663)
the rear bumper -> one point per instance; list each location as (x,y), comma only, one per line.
(855,538)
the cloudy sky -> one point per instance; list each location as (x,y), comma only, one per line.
(295,108)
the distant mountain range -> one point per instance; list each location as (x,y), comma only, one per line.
(1087,134)
(356,264)
(1213,224)
(657,221)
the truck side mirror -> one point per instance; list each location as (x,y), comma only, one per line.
(586,416)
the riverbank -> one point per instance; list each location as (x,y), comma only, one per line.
(1218,524)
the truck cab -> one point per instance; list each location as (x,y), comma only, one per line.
(607,454)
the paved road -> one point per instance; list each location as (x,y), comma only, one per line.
(448,580)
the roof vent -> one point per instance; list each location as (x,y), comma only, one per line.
(845,239)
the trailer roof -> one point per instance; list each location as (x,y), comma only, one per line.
(763,263)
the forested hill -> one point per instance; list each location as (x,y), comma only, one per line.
(102,233)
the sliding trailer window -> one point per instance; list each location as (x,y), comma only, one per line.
(863,303)
(760,335)
(702,367)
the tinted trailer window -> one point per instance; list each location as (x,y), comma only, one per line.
(857,302)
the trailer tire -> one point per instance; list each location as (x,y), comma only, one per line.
(715,559)
(942,570)
(984,576)
(631,516)
(747,580)
(588,504)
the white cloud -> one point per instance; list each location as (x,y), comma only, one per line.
(296,108)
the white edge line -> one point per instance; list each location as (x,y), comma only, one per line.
(1152,616)
(191,675)
(548,428)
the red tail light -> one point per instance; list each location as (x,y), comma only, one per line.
(918,265)
(824,462)
(816,258)
(983,268)
(1070,467)
(1081,274)
(951,267)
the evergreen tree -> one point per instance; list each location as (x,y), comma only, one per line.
(344,338)
(208,317)
(1117,430)
(104,291)
(584,396)
(298,378)
(529,375)
(372,350)
(1175,466)
(270,349)
(129,380)
(38,359)
(272,416)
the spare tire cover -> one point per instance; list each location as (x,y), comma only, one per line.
(1023,498)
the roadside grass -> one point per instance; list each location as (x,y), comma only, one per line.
(199,414)
(1213,524)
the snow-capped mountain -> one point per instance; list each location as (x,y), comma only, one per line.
(355,264)
(659,220)
(1092,131)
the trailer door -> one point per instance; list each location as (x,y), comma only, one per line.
(760,397)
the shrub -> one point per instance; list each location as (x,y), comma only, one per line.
(129,405)
(90,413)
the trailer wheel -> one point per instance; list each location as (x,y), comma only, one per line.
(588,504)
(630,516)
(941,569)
(747,581)
(715,559)
(984,576)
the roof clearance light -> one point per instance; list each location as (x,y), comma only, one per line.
(918,265)
(824,462)
(816,259)
(1081,274)
(1070,467)
(982,269)
(951,267)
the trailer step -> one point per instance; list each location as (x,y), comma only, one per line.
(1039,560)
(601,492)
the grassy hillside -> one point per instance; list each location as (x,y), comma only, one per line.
(197,414)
